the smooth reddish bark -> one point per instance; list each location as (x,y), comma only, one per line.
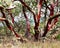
(49,20)
(8,24)
(12,17)
(39,5)
(37,17)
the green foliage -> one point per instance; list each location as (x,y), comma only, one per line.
(58,23)
(21,24)
(18,8)
(32,30)
(58,37)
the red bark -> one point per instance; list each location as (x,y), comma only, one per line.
(51,8)
(51,14)
(12,17)
(49,23)
(46,27)
(39,5)
(10,13)
(8,24)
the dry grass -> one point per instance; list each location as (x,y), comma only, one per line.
(30,45)
(13,43)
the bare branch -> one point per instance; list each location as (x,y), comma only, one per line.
(55,16)
(49,20)
(24,4)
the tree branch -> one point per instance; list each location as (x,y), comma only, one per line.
(29,9)
(49,20)
(55,16)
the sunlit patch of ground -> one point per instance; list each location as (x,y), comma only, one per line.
(13,43)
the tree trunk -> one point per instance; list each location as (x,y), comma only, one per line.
(36,31)
(45,31)
(27,34)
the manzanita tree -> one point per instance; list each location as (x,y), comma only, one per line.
(10,27)
(50,24)
(36,17)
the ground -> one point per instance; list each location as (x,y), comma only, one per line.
(12,42)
